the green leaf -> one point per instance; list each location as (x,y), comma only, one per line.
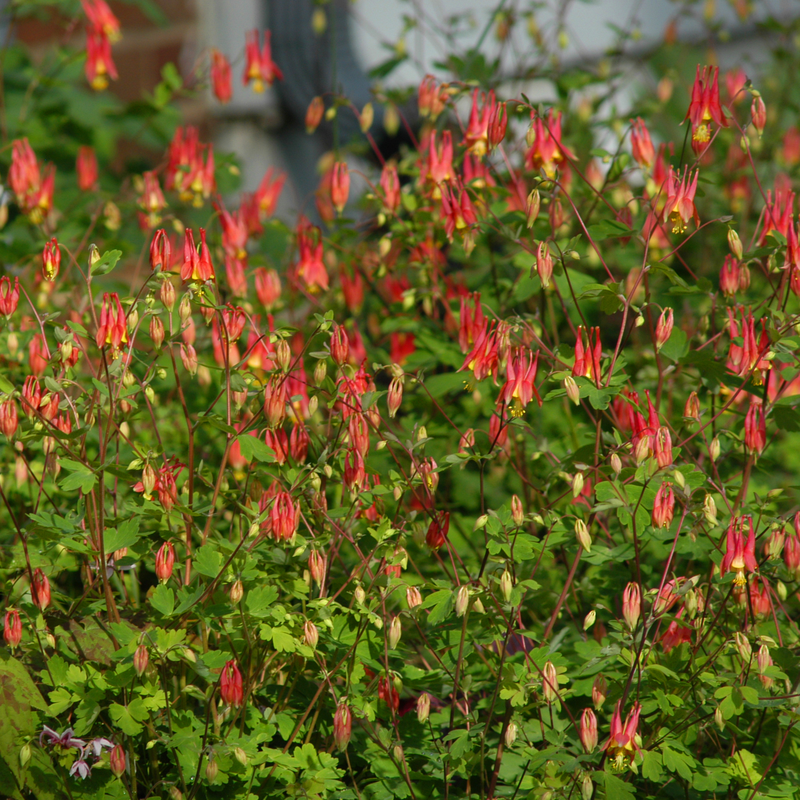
(283,641)
(252,447)
(129,718)
(616,789)
(678,762)
(80,477)
(259,600)
(207,561)
(163,599)
(677,346)
(106,263)
(651,768)
(125,535)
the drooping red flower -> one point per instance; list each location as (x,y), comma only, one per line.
(231,687)
(259,68)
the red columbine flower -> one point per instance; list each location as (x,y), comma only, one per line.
(388,693)
(680,208)
(196,262)
(476,138)
(664,506)
(340,185)
(498,123)
(40,589)
(546,151)
(160,251)
(520,388)
(8,417)
(342,726)
(458,214)
(24,174)
(51,260)
(705,108)
(544,264)
(101,19)
(431,98)
(354,473)
(12,630)
(113,329)
(99,64)
(38,354)
(390,184)
(165,560)
(587,361)
(440,161)
(755,429)
(310,268)
(268,287)
(151,201)
(221,80)
(777,214)
(664,328)
(676,633)
(749,357)
(483,359)
(632,605)
(437,530)
(791,550)
(234,232)
(259,67)
(471,321)
(621,745)
(739,555)
(729,276)
(268,192)
(86,167)
(9,297)
(231,688)
(662,444)
(284,516)
(642,144)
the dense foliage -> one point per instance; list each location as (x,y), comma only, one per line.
(482,487)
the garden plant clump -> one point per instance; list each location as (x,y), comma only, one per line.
(481,484)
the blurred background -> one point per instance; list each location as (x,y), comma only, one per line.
(369,50)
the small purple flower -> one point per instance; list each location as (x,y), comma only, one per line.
(65,740)
(80,768)
(97,745)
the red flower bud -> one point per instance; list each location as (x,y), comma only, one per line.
(9,298)
(231,689)
(40,589)
(342,726)
(316,108)
(165,559)
(340,347)
(117,760)
(140,659)
(438,530)
(12,632)
(8,417)
(340,185)
(664,328)
(588,731)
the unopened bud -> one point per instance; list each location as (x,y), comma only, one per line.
(240,755)
(589,619)
(710,510)
(185,309)
(743,646)
(587,788)
(714,449)
(422,433)
(413,597)
(616,463)
(572,389)
(506,586)
(237,592)
(735,244)
(310,633)
(423,707)
(480,522)
(395,632)
(140,659)
(577,484)
(582,534)
(283,355)
(462,600)
(532,207)
(511,734)
(211,770)
(366,118)
(517,514)
(719,720)
(360,595)
(780,588)
(167,294)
